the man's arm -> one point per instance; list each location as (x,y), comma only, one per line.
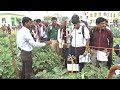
(30,39)
(87,37)
(110,38)
(87,44)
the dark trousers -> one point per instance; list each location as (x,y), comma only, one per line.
(64,53)
(26,58)
(76,52)
(109,63)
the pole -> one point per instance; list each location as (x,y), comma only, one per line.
(13,59)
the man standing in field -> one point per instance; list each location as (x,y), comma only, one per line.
(100,38)
(53,33)
(25,43)
(62,39)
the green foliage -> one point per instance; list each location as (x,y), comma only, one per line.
(65,18)
(2,34)
(116,32)
(118,76)
(88,72)
(55,73)
(115,42)
(46,63)
(6,64)
(92,72)
(45,58)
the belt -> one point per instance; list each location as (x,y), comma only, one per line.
(98,49)
(78,47)
(23,50)
(26,51)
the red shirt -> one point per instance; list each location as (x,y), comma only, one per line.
(101,38)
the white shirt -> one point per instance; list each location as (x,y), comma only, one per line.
(79,41)
(35,36)
(82,24)
(42,32)
(25,40)
(59,38)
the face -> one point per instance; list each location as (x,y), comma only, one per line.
(35,22)
(46,23)
(63,24)
(106,24)
(54,22)
(33,28)
(77,26)
(28,24)
(102,25)
(40,23)
(20,23)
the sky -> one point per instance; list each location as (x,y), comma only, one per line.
(41,14)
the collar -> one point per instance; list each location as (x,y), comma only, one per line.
(101,29)
(26,28)
(41,25)
(63,28)
(55,26)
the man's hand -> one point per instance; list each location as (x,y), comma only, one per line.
(107,53)
(48,43)
(69,35)
(85,53)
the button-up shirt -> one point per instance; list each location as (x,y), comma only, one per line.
(101,38)
(25,40)
(77,37)
(62,33)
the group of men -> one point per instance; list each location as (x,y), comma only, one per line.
(63,41)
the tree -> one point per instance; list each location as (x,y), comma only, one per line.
(65,18)
(70,23)
(48,18)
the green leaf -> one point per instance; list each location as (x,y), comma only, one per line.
(44,71)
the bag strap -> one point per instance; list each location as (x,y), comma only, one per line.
(83,31)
